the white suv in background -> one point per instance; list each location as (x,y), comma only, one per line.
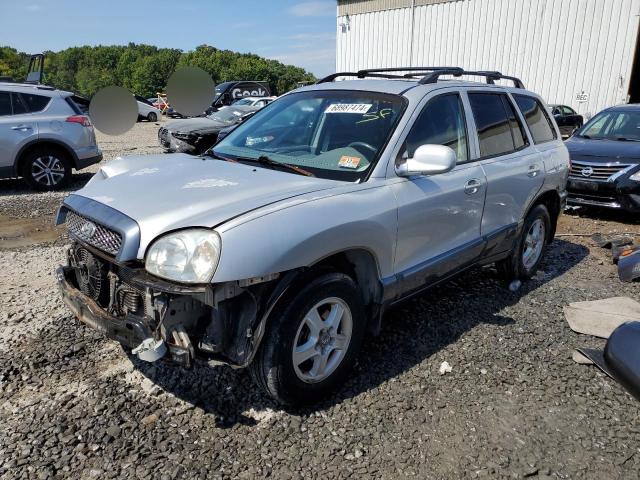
(43,135)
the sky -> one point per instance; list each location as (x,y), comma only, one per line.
(300,33)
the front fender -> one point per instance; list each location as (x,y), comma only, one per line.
(303,234)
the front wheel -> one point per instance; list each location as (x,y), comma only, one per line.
(312,343)
(527,255)
(152,117)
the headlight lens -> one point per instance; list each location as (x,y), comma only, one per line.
(188,256)
(635,176)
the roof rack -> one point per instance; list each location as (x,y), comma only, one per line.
(427,75)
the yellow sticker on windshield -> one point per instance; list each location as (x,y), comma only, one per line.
(349,162)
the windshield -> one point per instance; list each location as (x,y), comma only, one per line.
(229,116)
(613,125)
(244,101)
(331,133)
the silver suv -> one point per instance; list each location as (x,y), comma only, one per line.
(284,243)
(43,135)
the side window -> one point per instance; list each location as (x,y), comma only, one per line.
(441,122)
(539,123)
(493,124)
(517,129)
(18,105)
(568,110)
(37,103)
(5,104)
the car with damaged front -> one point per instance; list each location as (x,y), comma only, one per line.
(198,134)
(280,247)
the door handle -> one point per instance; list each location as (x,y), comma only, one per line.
(22,128)
(534,170)
(472,186)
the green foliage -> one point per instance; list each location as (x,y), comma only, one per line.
(145,69)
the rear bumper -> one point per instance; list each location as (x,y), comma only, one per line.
(130,332)
(85,162)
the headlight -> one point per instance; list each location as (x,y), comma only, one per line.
(635,176)
(189,256)
(183,136)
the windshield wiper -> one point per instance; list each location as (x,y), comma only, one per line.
(264,160)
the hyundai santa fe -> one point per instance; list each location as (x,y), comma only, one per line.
(283,244)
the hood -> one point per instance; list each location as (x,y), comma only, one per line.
(604,151)
(167,192)
(196,125)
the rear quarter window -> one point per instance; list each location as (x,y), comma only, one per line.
(35,103)
(537,119)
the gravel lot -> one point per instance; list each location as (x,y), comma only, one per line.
(73,405)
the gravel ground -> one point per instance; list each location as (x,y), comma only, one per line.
(73,405)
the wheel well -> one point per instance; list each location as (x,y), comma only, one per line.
(43,144)
(551,200)
(360,265)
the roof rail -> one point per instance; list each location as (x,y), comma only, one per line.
(427,75)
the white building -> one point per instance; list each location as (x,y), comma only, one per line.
(581,53)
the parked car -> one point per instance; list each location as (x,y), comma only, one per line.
(146,110)
(44,135)
(254,101)
(605,160)
(195,135)
(290,238)
(229,92)
(567,119)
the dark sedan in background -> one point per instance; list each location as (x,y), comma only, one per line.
(567,118)
(196,135)
(605,160)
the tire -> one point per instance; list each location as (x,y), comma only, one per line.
(303,382)
(519,265)
(46,169)
(152,117)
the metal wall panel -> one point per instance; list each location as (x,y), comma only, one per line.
(355,7)
(560,48)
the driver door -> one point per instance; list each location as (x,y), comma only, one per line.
(439,216)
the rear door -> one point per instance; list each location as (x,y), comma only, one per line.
(17,127)
(513,166)
(438,216)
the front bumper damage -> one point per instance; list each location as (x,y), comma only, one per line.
(157,319)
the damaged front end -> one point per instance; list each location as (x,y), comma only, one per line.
(158,319)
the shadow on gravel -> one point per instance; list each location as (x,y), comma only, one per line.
(16,186)
(412,332)
(604,214)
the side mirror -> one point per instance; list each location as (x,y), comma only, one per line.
(428,160)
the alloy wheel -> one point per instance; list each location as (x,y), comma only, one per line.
(47,170)
(533,244)
(322,340)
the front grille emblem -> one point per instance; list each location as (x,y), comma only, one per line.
(88,229)
(587,171)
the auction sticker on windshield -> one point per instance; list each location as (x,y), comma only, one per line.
(349,162)
(348,108)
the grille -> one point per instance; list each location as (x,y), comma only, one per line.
(101,237)
(597,171)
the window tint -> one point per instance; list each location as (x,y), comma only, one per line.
(537,119)
(517,129)
(440,123)
(493,124)
(18,105)
(5,103)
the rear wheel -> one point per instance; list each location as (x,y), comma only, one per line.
(46,169)
(152,117)
(312,343)
(526,257)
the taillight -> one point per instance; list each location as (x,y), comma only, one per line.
(81,119)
